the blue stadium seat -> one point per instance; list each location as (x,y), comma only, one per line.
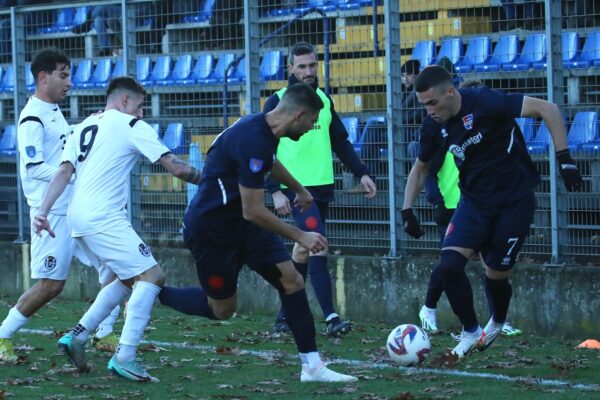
(116,72)
(100,76)
(160,72)
(478,52)
(346,5)
(8,143)
(204,13)
(80,17)
(590,53)
(66,19)
(534,51)
(156,127)
(570,49)
(424,51)
(1,72)
(322,5)
(181,71)
(30,80)
(505,52)
(584,128)
(591,147)
(219,72)
(541,142)
(7,84)
(351,125)
(527,126)
(239,75)
(452,49)
(271,67)
(143,69)
(371,138)
(83,74)
(174,138)
(202,70)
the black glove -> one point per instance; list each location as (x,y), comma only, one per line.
(442,215)
(411,223)
(568,170)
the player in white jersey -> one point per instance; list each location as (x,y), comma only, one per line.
(103,150)
(41,136)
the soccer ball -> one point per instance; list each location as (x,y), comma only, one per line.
(408,345)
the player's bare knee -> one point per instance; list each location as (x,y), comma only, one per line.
(223,312)
(154,275)
(293,284)
(300,254)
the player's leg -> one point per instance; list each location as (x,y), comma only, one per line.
(300,260)
(50,263)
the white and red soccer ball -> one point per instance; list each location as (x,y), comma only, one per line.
(408,345)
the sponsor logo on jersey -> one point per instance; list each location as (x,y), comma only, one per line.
(444,133)
(255,165)
(459,151)
(468,121)
(144,250)
(30,150)
(50,263)
(506,261)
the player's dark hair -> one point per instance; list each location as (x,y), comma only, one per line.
(300,95)
(125,83)
(432,76)
(47,60)
(300,49)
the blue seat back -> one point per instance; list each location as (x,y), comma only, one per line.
(351,125)
(143,68)
(506,50)
(451,48)
(81,16)
(103,70)
(64,17)
(239,74)
(174,139)
(162,68)
(478,51)
(271,66)
(119,69)
(534,49)
(591,49)
(424,51)
(527,126)
(372,136)
(8,79)
(29,78)
(183,67)
(570,45)
(222,63)
(84,72)
(8,143)
(584,127)
(204,66)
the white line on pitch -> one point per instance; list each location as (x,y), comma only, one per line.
(378,365)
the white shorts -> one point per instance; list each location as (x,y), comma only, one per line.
(120,249)
(105,275)
(51,257)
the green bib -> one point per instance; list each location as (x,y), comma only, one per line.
(309,160)
(448,182)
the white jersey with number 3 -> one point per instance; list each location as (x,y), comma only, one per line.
(103,150)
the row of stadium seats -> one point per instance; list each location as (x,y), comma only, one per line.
(321,5)
(163,73)
(507,54)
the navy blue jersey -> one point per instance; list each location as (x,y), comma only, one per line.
(241,154)
(488,146)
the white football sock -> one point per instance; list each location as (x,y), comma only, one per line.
(107,299)
(139,309)
(106,326)
(12,323)
(312,359)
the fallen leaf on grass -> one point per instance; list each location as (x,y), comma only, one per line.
(444,361)
(91,387)
(153,348)
(228,350)
(404,396)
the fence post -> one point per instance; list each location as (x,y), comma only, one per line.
(251,34)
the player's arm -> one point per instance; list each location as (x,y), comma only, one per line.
(550,113)
(303,197)
(180,169)
(254,210)
(414,185)
(55,188)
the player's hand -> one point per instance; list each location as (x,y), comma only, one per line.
(569,171)
(313,241)
(40,223)
(442,215)
(281,203)
(303,200)
(411,223)
(369,186)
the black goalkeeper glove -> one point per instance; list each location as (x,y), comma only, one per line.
(442,215)
(411,223)
(568,170)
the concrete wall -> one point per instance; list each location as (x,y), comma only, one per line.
(547,300)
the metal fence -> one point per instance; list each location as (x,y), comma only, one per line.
(207,62)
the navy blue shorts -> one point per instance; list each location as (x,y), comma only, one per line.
(313,219)
(498,232)
(219,259)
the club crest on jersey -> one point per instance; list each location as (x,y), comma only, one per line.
(30,150)
(468,121)
(50,263)
(144,250)
(444,133)
(255,165)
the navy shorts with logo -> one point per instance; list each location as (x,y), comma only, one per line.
(219,259)
(313,219)
(497,233)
